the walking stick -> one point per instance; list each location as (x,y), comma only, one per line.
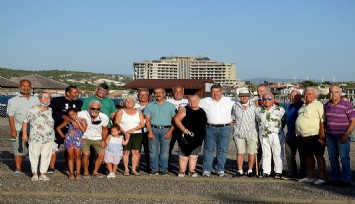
(256,164)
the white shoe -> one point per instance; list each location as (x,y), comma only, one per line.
(306,180)
(111,175)
(181,175)
(34,178)
(194,175)
(43,178)
(319,182)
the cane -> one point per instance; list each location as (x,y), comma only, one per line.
(256,164)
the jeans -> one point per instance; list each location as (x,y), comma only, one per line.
(337,149)
(216,136)
(159,150)
(291,150)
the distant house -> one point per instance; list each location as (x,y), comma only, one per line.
(323,89)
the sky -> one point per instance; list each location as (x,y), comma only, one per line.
(296,39)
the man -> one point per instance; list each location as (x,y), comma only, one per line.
(17,109)
(143,100)
(95,136)
(310,128)
(177,100)
(291,138)
(261,90)
(340,122)
(218,129)
(158,115)
(269,118)
(59,106)
(245,134)
(107,105)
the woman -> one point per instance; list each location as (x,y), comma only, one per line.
(131,121)
(192,124)
(41,136)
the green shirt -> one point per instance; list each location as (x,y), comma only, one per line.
(160,115)
(107,106)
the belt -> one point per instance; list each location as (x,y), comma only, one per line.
(160,127)
(218,125)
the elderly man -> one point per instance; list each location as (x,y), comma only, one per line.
(17,109)
(340,122)
(158,115)
(269,118)
(59,106)
(218,129)
(291,138)
(310,128)
(107,105)
(95,136)
(245,134)
(177,100)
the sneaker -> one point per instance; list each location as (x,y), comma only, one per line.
(250,174)
(50,171)
(111,175)
(181,174)
(164,173)
(289,177)
(238,174)
(206,174)
(34,178)
(43,178)
(306,180)
(319,182)
(17,173)
(153,173)
(221,174)
(194,175)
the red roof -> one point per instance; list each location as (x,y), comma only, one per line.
(168,83)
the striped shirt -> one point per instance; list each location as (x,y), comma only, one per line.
(245,122)
(338,117)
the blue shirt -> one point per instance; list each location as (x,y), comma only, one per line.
(291,116)
(160,115)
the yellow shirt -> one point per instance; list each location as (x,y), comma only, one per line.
(309,117)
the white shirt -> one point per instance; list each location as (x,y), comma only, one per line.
(93,132)
(182,102)
(217,112)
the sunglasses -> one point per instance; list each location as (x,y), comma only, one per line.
(267,99)
(95,109)
(96,122)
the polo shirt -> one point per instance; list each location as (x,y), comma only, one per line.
(93,131)
(338,117)
(217,112)
(160,115)
(19,106)
(107,106)
(309,117)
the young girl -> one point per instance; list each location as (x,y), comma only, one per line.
(114,150)
(73,140)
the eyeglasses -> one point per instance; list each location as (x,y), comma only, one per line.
(95,109)
(267,99)
(260,99)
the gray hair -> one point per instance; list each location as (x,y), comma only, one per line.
(44,92)
(194,96)
(312,89)
(93,102)
(269,93)
(130,97)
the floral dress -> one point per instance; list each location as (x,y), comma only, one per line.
(74,137)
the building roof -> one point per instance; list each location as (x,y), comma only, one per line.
(168,83)
(7,83)
(40,82)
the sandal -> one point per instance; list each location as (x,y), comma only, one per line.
(78,177)
(136,173)
(277,176)
(71,177)
(126,173)
(265,175)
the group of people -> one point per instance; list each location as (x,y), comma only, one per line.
(94,132)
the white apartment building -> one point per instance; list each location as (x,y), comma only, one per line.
(187,68)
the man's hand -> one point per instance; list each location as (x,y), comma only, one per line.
(167,135)
(344,138)
(150,135)
(13,134)
(102,144)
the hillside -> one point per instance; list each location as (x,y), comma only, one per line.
(84,80)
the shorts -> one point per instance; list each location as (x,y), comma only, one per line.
(186,151)
(309,146)
(92,143)
(113,159)
(135,142)
(252,146)
(15,144)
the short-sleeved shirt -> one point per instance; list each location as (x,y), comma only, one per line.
(160,115)
(19,106)
(107,106)
(60,106)
(182,102)
(93,131)
(269,121)
(291,116)
(217,112)
(41,125)
(338,117)
(309,118)
(245,122)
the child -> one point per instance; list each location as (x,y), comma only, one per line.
(114,150)
(73,140)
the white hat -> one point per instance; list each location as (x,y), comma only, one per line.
(244,92)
